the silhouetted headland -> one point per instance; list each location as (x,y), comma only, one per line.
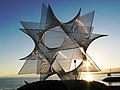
(111,79)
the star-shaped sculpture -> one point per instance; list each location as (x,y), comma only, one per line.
(79,34)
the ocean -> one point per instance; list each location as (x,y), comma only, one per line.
(12,83)
(100,77)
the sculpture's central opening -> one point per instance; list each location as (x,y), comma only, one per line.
(54,37)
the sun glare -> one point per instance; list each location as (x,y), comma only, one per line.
(88,77)
(87,64)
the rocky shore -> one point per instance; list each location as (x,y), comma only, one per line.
(67,85)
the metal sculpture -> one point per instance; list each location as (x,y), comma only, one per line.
(77,36)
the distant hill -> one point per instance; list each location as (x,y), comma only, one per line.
(108,70)
(112,70)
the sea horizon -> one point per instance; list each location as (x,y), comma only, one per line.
(12,83)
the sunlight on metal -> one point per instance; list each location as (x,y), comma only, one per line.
(82,50)
(63,55)
(81,24)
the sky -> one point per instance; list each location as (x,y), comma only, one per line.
(14,44)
